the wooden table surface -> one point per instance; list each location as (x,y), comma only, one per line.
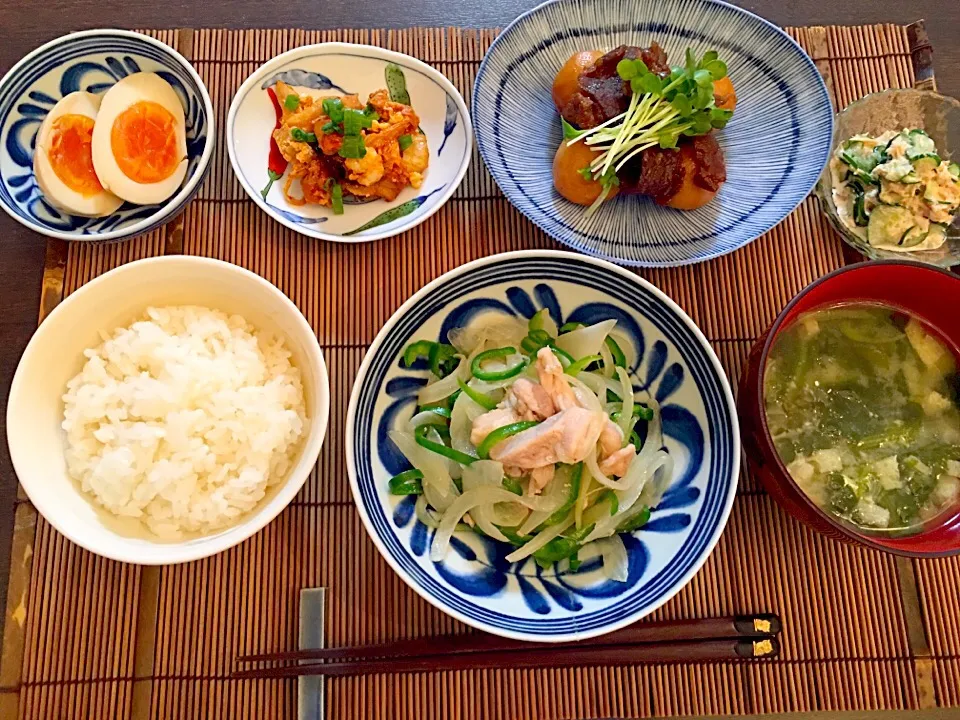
(24,26)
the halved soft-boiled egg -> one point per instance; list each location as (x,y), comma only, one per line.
(63,161)
(139,141)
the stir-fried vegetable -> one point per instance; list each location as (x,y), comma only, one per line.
(485,392)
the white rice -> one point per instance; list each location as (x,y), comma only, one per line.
(184,419)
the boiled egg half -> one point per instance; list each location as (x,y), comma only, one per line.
(139,140)
(63,159)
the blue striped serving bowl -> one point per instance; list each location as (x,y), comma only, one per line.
(669,357)
(93,61)
(776,145)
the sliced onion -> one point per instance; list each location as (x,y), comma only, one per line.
(493,331)
(586,395)
(510,514)
(437,484)
(465,412)
(626,411)
(539,541)
(486,495)
(615,560)
(606,358)
(627,499)
(653,491)
(557,490)
(444,388)
(423,513)
(586,340)
(549,326)
(425,417)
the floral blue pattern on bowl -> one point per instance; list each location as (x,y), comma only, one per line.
(775,146)
(93,61)
(475,583)
(340,68)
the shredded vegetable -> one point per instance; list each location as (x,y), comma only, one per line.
(484,391)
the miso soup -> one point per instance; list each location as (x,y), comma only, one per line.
(862,404)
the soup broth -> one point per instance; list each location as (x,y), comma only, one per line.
(862,404)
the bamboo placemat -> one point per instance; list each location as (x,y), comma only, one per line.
(86,637)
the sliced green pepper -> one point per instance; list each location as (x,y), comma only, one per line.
(635,521)
(495,354)
(415,351)
(582,364)
(442,359)
(421,437)
(619,359)
(502,433)
(407,483)
(561,512)
(513,485)
(484,401)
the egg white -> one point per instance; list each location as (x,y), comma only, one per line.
(130,90)
(54,190)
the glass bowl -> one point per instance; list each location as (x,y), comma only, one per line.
(926,292)
(938,116)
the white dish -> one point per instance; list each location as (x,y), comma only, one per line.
(346,68)
(55,354)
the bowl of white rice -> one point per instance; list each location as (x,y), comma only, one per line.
(168,410)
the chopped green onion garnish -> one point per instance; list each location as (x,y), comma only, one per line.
(333,107)
(336,199)
(292,101)
(354,121)
(353,147)
(302,135)
(502,433)
(405,141)
(407,483)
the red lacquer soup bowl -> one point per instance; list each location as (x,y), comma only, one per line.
(930,294)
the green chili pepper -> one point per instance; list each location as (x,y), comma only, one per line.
(417,350)
(635,521)
(502,433)
(442,359)
(420,435)
(582,364)
(484,401)
(561,512)
(407,483)
(495,354)
(513,485)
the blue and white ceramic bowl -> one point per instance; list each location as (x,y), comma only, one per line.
(775,146)
(474,583)
(345,68)
(93,61)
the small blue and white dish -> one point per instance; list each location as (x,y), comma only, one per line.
(92,61)
(340,69)
(672,359)
(776,145)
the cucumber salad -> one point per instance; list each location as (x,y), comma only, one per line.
(535,436)
(895,191)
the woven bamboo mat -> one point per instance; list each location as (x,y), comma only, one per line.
(86,637)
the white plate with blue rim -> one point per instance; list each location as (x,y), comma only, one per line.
(340,69)
(668,356)
(93,61)
(776,144)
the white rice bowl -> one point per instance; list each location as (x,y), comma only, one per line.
(184,420)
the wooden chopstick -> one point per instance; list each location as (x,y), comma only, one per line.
(537,656)
(759,625)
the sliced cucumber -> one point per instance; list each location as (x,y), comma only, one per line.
(889,224)
(859,212)
(936,193)
(937,234)
(911,178)
(954,169)
(912,237)
(924,162)
(894,170)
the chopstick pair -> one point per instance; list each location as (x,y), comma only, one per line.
(709,639)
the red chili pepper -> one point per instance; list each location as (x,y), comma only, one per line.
(277,164)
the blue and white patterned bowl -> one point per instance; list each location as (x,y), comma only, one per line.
(776,145)
(348,68)
(93,61)
(475,583)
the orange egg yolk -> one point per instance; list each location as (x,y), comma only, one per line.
(144,142)
(70,156)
